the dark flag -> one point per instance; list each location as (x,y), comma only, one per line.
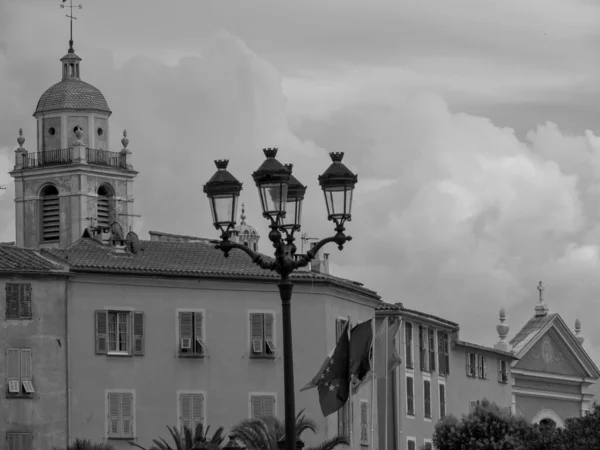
(334,386)
(361,343)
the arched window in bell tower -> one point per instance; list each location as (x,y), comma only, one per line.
(50,210)
(104,206)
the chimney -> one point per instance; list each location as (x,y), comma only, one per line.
(502,329)
(321,263)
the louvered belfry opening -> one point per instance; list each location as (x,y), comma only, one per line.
(103,207)
(50,215)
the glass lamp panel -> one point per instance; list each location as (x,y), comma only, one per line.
(293,214)
(335,197)
(273,198)
(223,208)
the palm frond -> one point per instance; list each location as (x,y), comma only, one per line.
(332,443)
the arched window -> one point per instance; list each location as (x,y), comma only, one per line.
(72,71)
(77,70)
(104,212)
(50,214)
(65,71)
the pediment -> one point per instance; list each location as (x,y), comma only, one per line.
(552,354)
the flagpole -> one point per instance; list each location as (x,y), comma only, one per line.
(374,381)
(387,358)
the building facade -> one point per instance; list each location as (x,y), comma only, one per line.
(33,405)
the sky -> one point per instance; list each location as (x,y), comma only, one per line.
(472,126)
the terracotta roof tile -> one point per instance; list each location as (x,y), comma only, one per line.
(194,259)
(16,259)
(400,308)
(484,348)
(529,331)
(72,94)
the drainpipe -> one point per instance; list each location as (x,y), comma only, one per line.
(68,359)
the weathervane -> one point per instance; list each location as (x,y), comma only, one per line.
(71,17)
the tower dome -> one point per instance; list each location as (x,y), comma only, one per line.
(71,92)
(246,234)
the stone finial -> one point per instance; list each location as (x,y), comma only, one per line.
(21,139)
(243,215)
(502,329)
(578,334)
(125,141)
(78,135)
(541,309)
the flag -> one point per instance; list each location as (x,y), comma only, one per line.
(385,342)
(334,386)
(315,381)
(375,342)
(361,347)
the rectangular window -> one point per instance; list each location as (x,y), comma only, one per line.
(412,444)
(19,441)
(119,332)
(364,423)
(427,398)
(410,396)
(502,371)
(427,445)
(262,406)
(19,373)
(423,355)
(442,400)
(191,337)
(443,354)
(432,350)
(481,367)
(191,410)
(120,415)
(344,411)
(262,337)
(471,365)
(18,300)
(408,331)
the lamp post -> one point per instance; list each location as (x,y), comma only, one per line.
(281,196)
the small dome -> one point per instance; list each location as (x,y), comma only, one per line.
(72,94)
(243,227)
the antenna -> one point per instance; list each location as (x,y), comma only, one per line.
(71,17)
(304,239)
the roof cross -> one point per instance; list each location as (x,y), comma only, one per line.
(541,289)
(71,17)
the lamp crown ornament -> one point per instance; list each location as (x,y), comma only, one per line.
(337,157)
(270,153)
(21,139)
(221,164)
(125,141)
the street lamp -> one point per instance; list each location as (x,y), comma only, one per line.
(281,196)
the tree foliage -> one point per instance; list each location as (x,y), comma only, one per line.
(487,428)
(188,440)
(265,433)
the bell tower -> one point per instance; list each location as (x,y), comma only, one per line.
(71,180)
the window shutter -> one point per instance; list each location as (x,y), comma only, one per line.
(440,347)
(256,332)
(431,350)
(127,414)
(468,364)
(114,428)
(51,218)
(13,360)
(25,301)
(269,335)
(198,324)
(26,371)
(410,396)
(427,396)
(197,415)
(12,301)
(364,422)
(185,406)
(101,332)
(446,354)
(484,366)
(138,333)
(442,400)
(256,407)
(268,406)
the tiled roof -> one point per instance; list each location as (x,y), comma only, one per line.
(16,259)
(484,348)
(193,259)
(72,94)
(529,331)
(400,308)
